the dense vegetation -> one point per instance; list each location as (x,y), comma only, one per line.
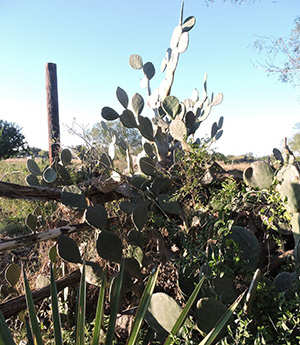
(171,233)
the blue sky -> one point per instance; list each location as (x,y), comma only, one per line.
(91,41)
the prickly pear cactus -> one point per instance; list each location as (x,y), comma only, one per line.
(259,175)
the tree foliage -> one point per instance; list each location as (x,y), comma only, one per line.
(12,141)
(283,55)
(295,143)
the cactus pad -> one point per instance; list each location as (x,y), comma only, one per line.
(145,128)
(68,250)
(178,130)
(259,175)
(66,156)
(126,206)
(122,97)
(147,166)
(93,273)
(188,24)
(49,175)
(149,70)
(109,246)
(168,205)
(208,313)
(248,245)
(74,200)
(171,106)
(137,238)
(32,180)
(163,312)
(137,103)
(12,274)
(31,222)
(128,119)
(33,168)
(140,215)
(136,61)
(284,281)
(109,114)
(96,216)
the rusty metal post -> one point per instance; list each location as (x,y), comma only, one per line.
(52,110)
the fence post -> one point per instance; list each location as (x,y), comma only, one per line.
(52,110)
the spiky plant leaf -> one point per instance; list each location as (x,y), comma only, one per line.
(81,307)
(109,246)
(34,325)
(5,334)
(66,156)
(178,130)
(31,221)
(96,216)
(33,167)
(146,128)
(136,61)
(55,309)
(147,166)
(122,97)
(49,175)
(109,114)
(137,103)
(12,274)
(128,119)
(99,312)
(149,70)
(68,250)
(188,24)
(171,106)
(140,215)
(142,308)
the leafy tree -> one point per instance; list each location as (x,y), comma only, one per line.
(295,143)
(283,55)
(12,141)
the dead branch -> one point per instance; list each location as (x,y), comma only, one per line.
(15,305)
(52,234)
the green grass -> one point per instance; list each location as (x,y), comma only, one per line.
(14,212)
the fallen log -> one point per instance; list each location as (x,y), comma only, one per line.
(52,234)
(15,305)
